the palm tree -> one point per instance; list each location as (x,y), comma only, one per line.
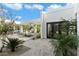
(13,43)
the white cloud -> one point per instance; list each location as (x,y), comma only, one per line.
(28,6)
(35,6)
(38,6)
(17,22)
(15,6)
(55,6)
(7,21)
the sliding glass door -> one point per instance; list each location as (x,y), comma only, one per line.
(55,28)
(52,30)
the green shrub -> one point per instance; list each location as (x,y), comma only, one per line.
(13,43)
(65,45)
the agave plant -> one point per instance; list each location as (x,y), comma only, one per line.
(65,45)
(13,43)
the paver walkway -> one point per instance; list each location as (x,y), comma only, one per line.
(39,47)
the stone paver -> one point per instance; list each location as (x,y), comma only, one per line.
(39,47)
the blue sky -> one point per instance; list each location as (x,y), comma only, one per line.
(29,11)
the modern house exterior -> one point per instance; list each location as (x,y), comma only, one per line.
(51,20)
(55,17)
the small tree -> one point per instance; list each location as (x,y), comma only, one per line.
(4,27)
(26,27)
(37,27)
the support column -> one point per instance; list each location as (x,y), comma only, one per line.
(43,25)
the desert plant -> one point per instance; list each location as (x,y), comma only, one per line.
(65,45)
(13,43)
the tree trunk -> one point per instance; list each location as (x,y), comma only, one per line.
(13,50)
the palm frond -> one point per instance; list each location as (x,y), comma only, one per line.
(65,45)
(13,43)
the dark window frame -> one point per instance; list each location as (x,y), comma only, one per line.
(53,23)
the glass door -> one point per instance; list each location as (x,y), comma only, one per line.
(52,30)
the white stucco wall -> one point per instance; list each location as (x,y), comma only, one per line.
(55,16)
(77,10)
